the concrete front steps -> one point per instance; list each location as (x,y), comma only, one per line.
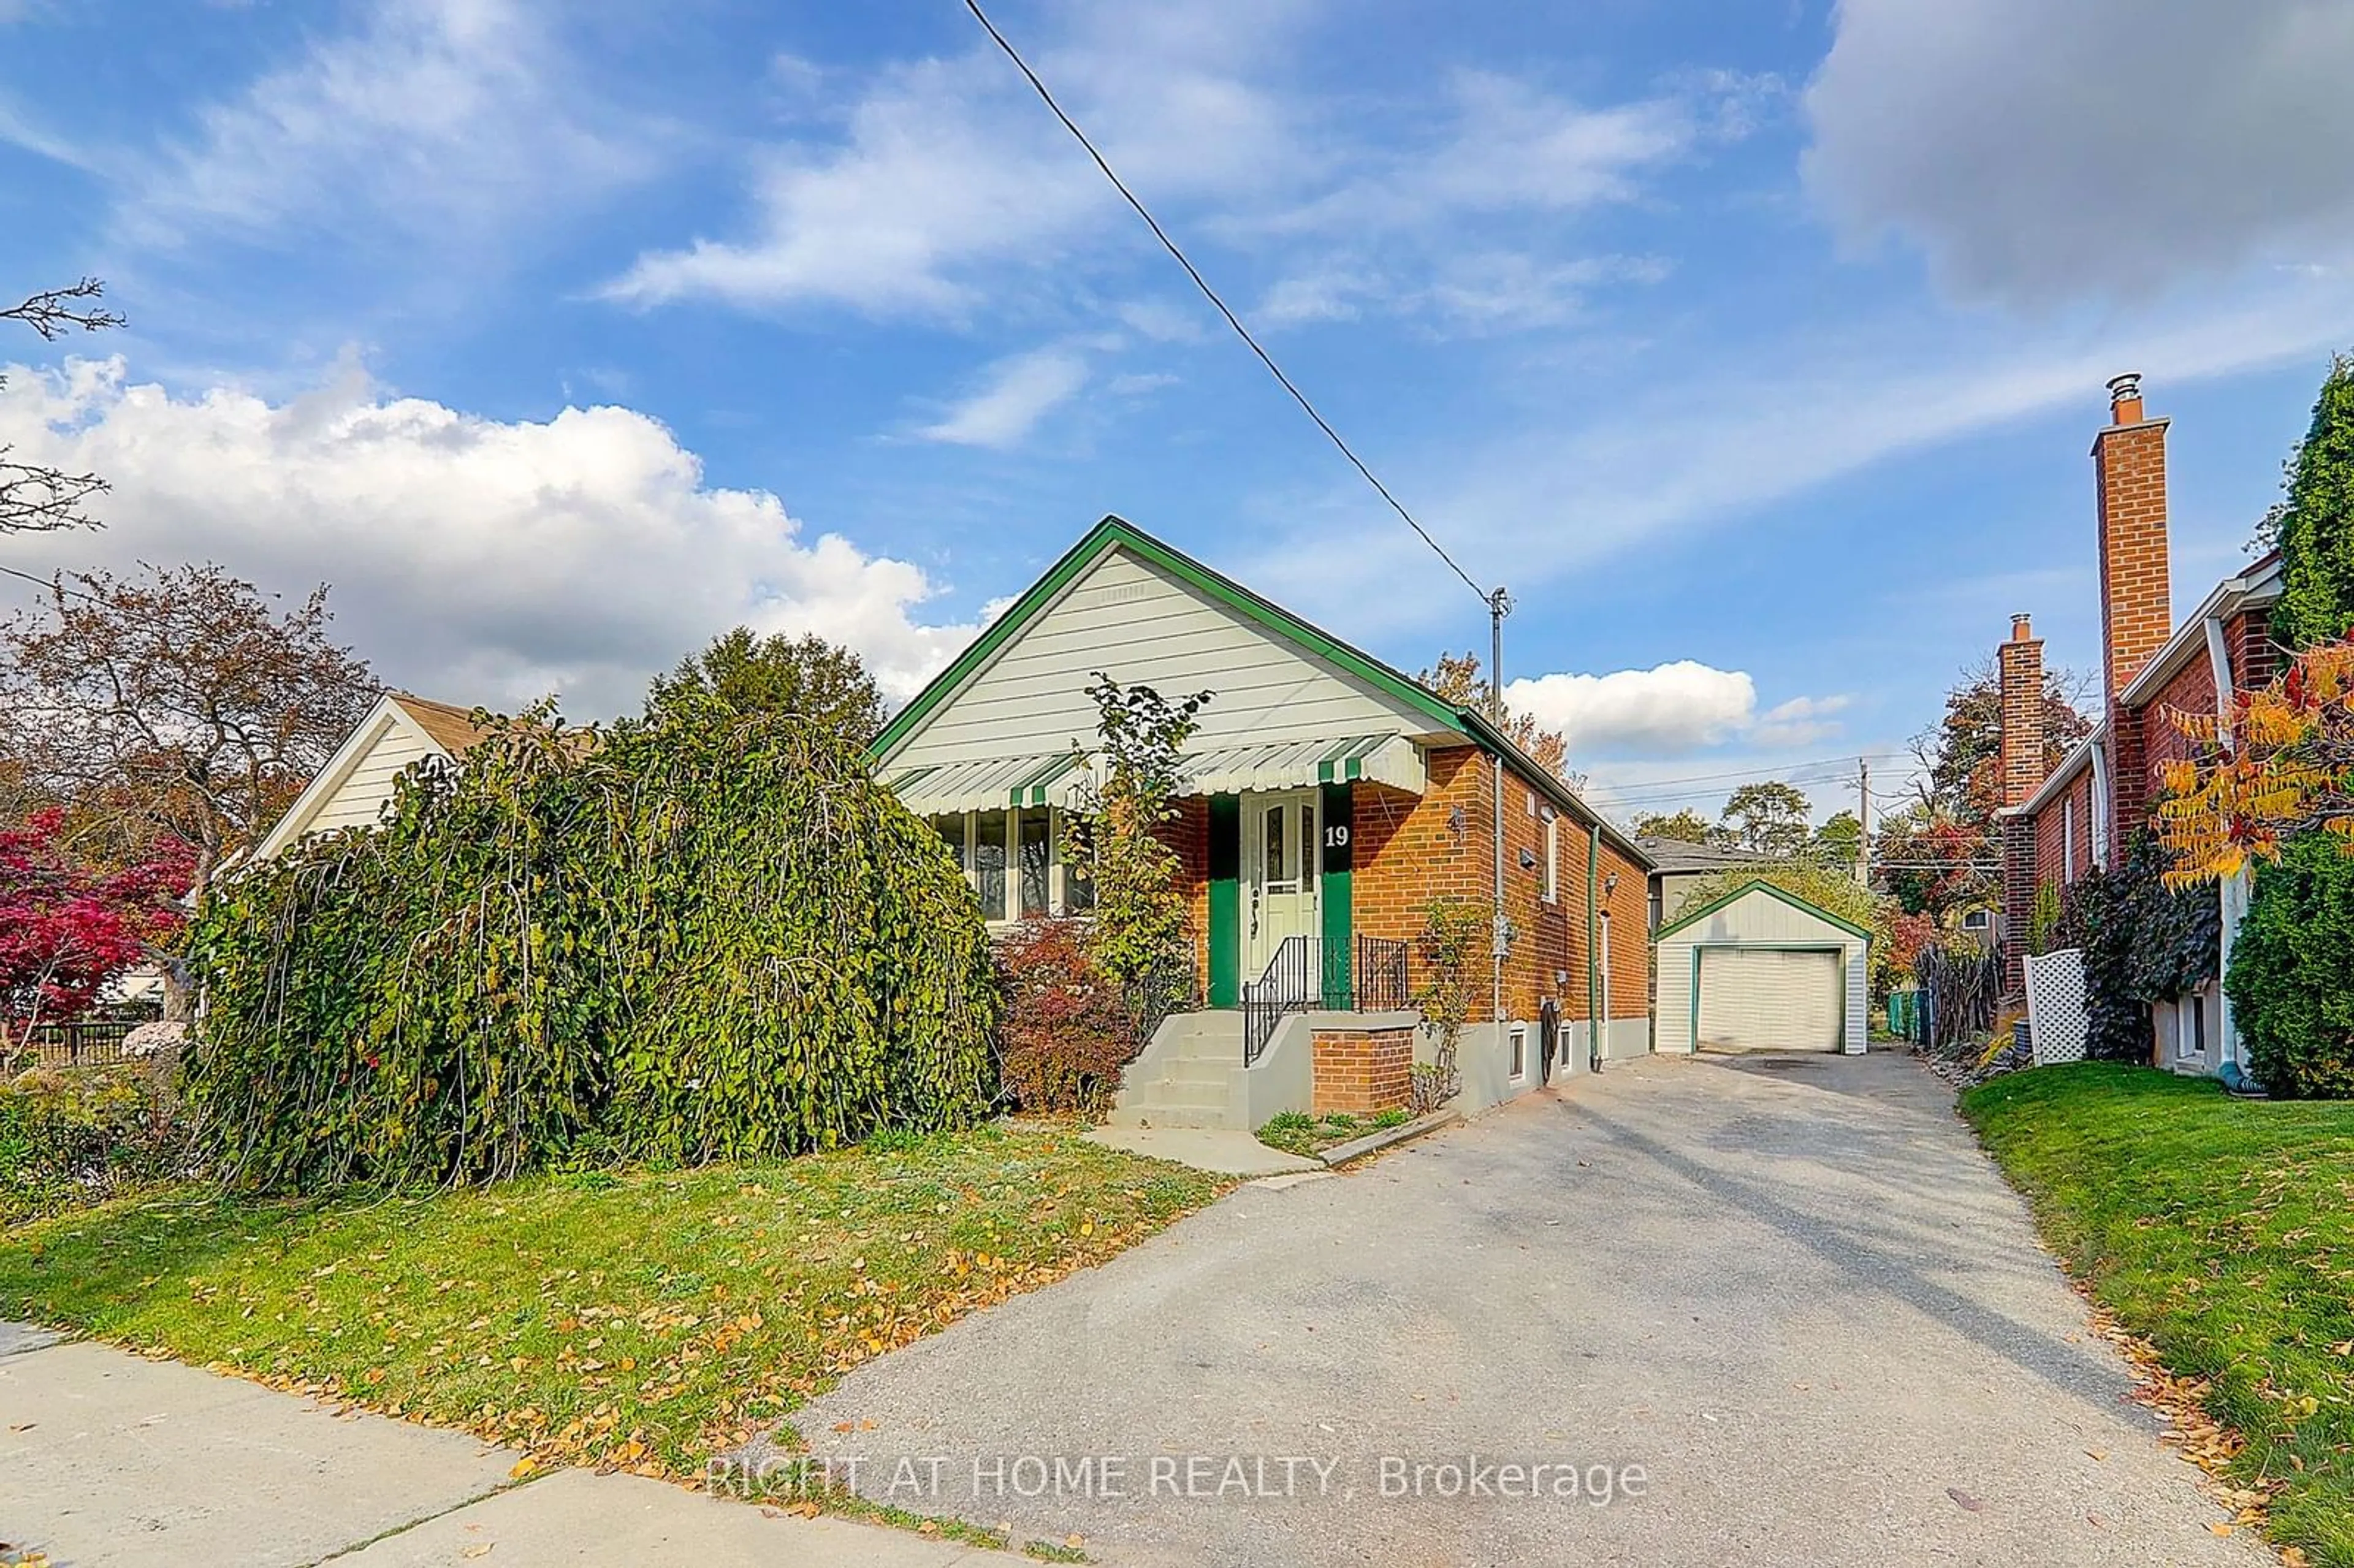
(1185,1077)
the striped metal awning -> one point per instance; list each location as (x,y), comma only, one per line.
(984,786)
(1389,759)
(1046,778)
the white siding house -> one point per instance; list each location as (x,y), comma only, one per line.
(356,786)
(1762,969)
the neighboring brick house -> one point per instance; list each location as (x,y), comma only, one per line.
(2082,813)
(1331,800)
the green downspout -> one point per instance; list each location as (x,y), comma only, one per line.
(1593,1024)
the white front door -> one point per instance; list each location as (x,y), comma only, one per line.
(1280,851)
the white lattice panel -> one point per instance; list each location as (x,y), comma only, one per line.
(2056,1019)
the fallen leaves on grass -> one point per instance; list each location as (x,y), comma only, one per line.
(2189,1429)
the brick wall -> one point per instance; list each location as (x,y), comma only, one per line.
(2254,660)
(1361,1071)
(2191,691)
(1411,850)
(1189,835)
(2136,609)
(2051,833)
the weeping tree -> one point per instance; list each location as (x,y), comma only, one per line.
(710,935)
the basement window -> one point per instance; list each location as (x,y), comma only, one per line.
(1520,1039)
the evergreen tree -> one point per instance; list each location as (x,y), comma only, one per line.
(2315,526)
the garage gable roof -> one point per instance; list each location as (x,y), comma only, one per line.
(1759,885)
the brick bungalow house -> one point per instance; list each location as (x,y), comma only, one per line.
(2083,813)
(1329,801)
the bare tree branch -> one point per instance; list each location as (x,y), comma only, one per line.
(38,499)
(33,497)
(53,313)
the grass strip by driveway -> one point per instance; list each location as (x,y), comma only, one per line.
(1296,1132)
(2222,1232)
(643,1321)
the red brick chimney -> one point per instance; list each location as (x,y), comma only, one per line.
(2136,609)
(2020,662)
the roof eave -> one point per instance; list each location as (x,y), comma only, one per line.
(2079,756)
(2252,589)
(1555,789)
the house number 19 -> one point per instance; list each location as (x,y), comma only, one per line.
(1336,836)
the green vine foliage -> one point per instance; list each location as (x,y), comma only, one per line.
(2043,920)
(712,937)
(2141,944)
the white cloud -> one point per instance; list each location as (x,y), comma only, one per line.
(2043,152)
(945,182)
(1671,707)
(1015,395)
(438,120)
(472,559)
(1508,147)
(1801,721)
(1329,294)
(1737,433)
(945,168)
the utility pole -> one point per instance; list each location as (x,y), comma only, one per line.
(1863,821)
(1500,605)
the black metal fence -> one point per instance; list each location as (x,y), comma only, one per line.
(78,1043)
(1370,974)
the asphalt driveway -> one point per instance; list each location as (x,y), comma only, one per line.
(1779,1310)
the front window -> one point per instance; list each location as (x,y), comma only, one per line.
(951,830)
(1035,843)
(1076,849)
(1016,863)
(989,863)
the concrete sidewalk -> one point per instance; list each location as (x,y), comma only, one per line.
(113,1459)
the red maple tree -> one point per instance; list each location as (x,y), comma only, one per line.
(66,927)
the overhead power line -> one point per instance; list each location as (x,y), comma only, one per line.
(1210,294)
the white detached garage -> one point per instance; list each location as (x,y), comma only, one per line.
(1761,969)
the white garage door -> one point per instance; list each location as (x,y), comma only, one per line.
(1765,999)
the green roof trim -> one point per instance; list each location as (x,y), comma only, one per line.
(1118,533)
(1759,885)
(1114,533)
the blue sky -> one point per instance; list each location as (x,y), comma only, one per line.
(1757,347)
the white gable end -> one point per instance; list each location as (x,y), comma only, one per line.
(358,783)
(1128,618)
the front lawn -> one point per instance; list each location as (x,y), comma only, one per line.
(2222,1232)
(643,1319)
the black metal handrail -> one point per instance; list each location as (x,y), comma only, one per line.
(1384,981)
(1370,975)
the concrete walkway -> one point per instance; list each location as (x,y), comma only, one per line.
(1790,1294)
(106,1459)
(1218,1150)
